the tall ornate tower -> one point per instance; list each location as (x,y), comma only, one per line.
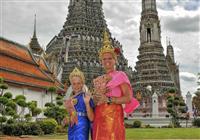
(34,45)
(173,67)
(78,42)
(151,68)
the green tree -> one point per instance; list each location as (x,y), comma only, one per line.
(196,103)
(34,111)
(56,111)
(175,107)
(21,103)
(3,119)
(196,98)
(1,80)
(8,108)
(3,86)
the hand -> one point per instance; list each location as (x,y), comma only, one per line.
(65,121)
(103,99)
(101,81)
(73,119)
(86,98)
(99,99)
(67,103)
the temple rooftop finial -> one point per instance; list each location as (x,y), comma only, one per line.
(34,44)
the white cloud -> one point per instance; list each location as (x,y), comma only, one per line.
(187,76)
(177,51)
(188,83)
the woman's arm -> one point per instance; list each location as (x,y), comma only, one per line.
(126,95)
(89,109)
(90,112)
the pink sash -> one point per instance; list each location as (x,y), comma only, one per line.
(118,78)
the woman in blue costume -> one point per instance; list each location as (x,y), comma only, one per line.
(79,106)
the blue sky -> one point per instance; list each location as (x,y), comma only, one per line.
(180,21)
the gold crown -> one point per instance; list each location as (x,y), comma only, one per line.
(77,73)
(107,46)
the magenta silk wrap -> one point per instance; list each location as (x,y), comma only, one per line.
(118,78)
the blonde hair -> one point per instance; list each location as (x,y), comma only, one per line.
(77,73)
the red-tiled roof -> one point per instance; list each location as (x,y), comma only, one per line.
(41,62)
(14,50)
(43,65)
(26,80)
(19,66)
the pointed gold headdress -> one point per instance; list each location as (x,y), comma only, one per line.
(77,73)
(107,46)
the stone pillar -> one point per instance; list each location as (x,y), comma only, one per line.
(189,103)
(155,113)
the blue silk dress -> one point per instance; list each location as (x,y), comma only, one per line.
(81,130)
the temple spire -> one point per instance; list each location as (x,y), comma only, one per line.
(85,17)
(153,67)
(170,51)
(79,41)
(34,44)
(34,32)
(150,23)
(149,5)
(151,49)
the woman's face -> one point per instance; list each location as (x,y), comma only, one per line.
(108,61)
(77,84)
